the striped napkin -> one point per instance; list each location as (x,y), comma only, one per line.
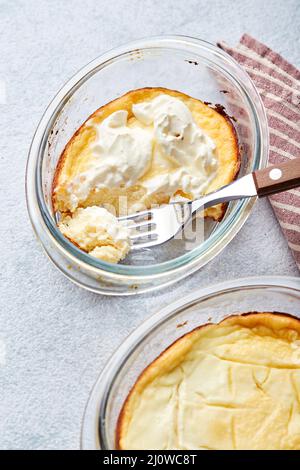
(278,83)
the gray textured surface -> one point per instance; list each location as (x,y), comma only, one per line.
(57,337)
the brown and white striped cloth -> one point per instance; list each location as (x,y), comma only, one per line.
(278,83)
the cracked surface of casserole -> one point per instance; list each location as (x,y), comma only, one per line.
(232,385)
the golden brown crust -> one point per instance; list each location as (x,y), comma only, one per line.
(275,321)
(211,211)
(125,102)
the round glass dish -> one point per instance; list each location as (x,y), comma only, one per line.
(186,64)
(281,294)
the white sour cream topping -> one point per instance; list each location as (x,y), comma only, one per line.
(187,147)
(120,156)
(164,139)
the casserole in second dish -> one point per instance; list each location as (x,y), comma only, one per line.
(232,385)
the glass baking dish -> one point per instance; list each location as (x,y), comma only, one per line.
(212,304)
(189,65)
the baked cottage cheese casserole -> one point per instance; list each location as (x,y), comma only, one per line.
(148,147)
(232,385)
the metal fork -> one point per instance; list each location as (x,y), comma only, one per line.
(159,225)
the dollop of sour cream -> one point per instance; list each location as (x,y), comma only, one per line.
(163,150)
(189,150)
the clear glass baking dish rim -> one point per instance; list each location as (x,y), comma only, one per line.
(41,218)
(93,414)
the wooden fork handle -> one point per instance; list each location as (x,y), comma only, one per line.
(277,178)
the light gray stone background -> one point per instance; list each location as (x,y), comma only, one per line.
(57,337)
